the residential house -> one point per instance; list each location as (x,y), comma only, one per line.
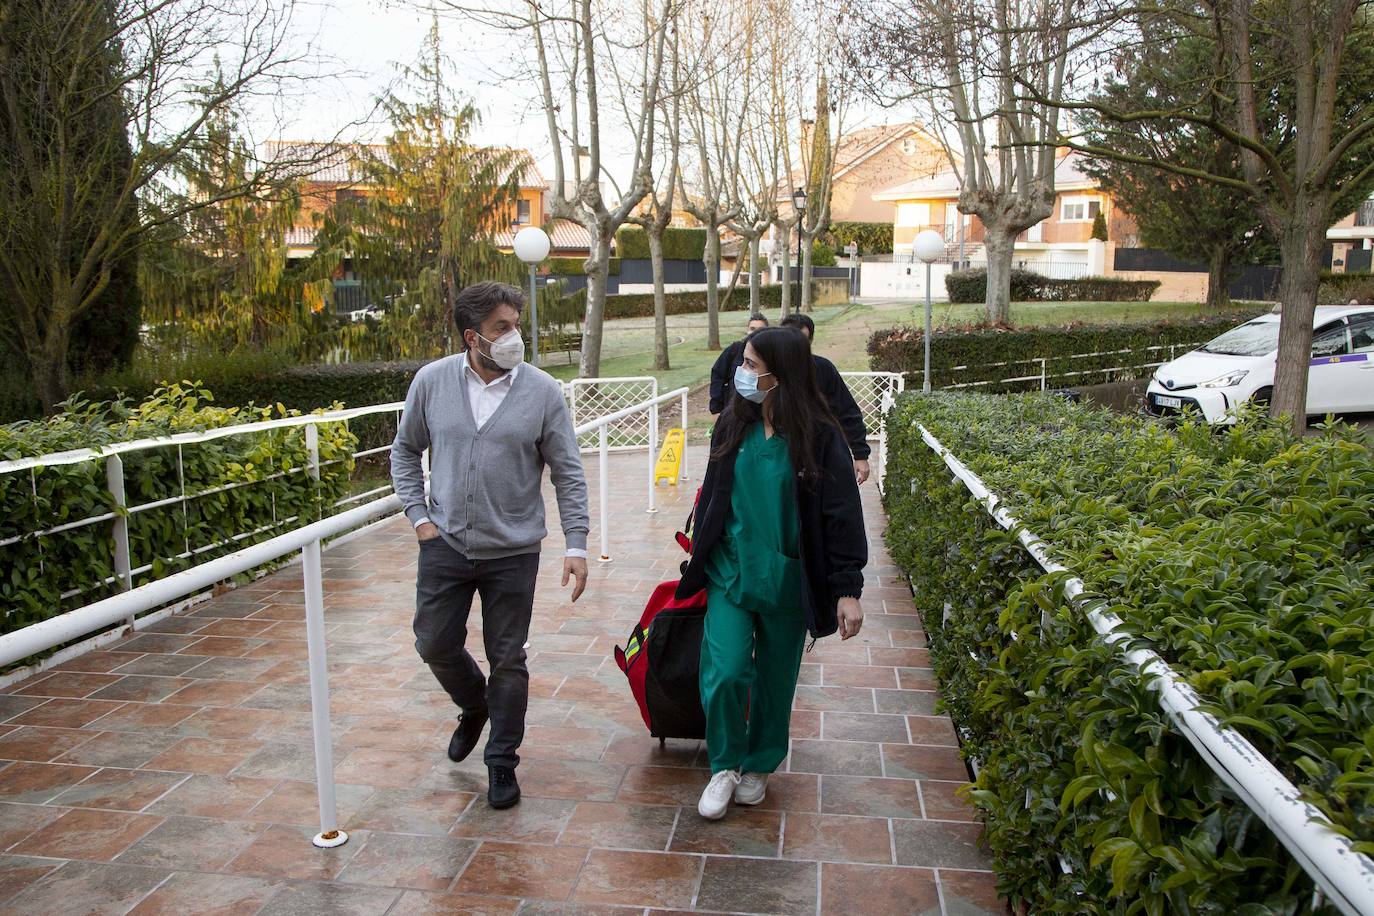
(1350,242)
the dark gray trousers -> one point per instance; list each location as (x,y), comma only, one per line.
(444,587)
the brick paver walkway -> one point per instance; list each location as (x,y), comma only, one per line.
(173,772)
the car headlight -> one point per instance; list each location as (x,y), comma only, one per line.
(1227,380)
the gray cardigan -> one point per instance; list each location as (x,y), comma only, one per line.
(484,492)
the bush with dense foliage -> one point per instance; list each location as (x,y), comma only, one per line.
(822,255)
(1027,286)
(872,238)
(577,267)
(1244,556)
(986,355)
(678,244)
(1339,289)
(251,485)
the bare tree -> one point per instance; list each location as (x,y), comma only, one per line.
(818,155)
(66,219)
(1290,89)
(965,65)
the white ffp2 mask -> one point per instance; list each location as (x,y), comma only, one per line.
(508,350)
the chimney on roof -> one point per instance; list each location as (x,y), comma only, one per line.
(584,163)
(808,125)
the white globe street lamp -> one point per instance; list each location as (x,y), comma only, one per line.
(532,246)
(929,246)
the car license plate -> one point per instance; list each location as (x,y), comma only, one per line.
(1165,401)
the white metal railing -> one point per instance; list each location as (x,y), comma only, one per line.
(125,606)
(1044,377)
(1343,874)
(589,398)
(875,393)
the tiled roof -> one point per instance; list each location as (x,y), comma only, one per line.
(856,146)
(1067,177)
(564,234)
(338,164)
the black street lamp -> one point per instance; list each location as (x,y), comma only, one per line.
(799,205)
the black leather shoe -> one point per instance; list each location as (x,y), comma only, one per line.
(470,725)
(502,789)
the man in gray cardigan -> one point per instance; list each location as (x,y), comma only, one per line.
(491,423)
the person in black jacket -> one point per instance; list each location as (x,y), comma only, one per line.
(723,371)
(779,546)
(842,403)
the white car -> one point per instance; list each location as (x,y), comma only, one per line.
(1238,367)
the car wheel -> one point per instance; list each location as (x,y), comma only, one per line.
(1263,396)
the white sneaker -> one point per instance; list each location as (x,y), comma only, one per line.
(751,789)
(718,793)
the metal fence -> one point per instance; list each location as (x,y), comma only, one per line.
(1035,372)
(589,398)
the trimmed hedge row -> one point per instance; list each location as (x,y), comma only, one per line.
(984,355)
(41,569)
(1244,556)
(678,244)
(576,267)
(872,238)
(1027,286)
(1339,289)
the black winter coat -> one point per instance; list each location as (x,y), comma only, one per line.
(834,547)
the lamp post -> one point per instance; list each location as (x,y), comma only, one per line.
(532,246)
(929,245)
(799,205)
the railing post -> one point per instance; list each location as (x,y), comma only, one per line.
(114,480)
(684,436)
(1043,373)
(605,496)
(653,449)
(330,835)
(312,450)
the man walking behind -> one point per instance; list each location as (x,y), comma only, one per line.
(491,423)
(723,371)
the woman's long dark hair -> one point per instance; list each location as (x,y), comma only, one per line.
(800,411)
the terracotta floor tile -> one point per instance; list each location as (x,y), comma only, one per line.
(419,862)
(915,761)
(806,723)
(382,767)
(312,899)
(117,749)
(663,786)
(971,893)
(638,879)
(417,811)
(18,821)
(824,837)
(12,706)
(900,658)
(858,676)
(66,713)
(791,792)
(234,627)
(221,646)
(120,790)
(100,661)
(758,886)
(942,802)
(534,820)
(158,665)
(297,803)
(205,755)
(97,835)
(280,760)
(742,832)
(835,699)
(937,730)
(577,780)
(869,796)
(69,684)
(166,643)
(223,797)
(39,744)
(141,689)
(223,722)
(884,891)
(847,758)
(564,743)
(88,888)
(619,825)
(420,903)
(191,844)
(916,679)
(286,852)
(208,895)
(939,844)
(139,717)
(36,783)
(513,870)
(906,702)
(214,693)
(848,726)
(18,872)
(227,669)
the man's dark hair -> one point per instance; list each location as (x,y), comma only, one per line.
(801,323)
(758,317)
(476,303)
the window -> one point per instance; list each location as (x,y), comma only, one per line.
(1362,334)
(522,211)
(913,214)
(1330,341)
(1079,209)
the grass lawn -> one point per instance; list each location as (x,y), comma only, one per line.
(842,333)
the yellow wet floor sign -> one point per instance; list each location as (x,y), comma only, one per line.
(669,464)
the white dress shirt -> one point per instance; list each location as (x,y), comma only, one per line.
(484,398)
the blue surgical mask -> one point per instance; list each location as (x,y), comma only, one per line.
(747,384)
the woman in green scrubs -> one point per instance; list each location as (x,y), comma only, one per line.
(780,549)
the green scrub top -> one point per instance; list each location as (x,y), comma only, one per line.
(755,564)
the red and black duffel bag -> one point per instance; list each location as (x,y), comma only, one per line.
(662,660)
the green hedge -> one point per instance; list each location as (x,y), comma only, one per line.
(872,238)
(576,267)
(1244,556)
(41,569)
(989,354)
(1028,286)
(1339,289)
(641,305)
(678,244)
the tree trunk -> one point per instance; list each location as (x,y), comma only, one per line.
(1000,245)
(754,275)
(589,361)
(786,276)
(1219,278)
(655,235)
(805,272)
(49,368)
(711,258)
(1300,249)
